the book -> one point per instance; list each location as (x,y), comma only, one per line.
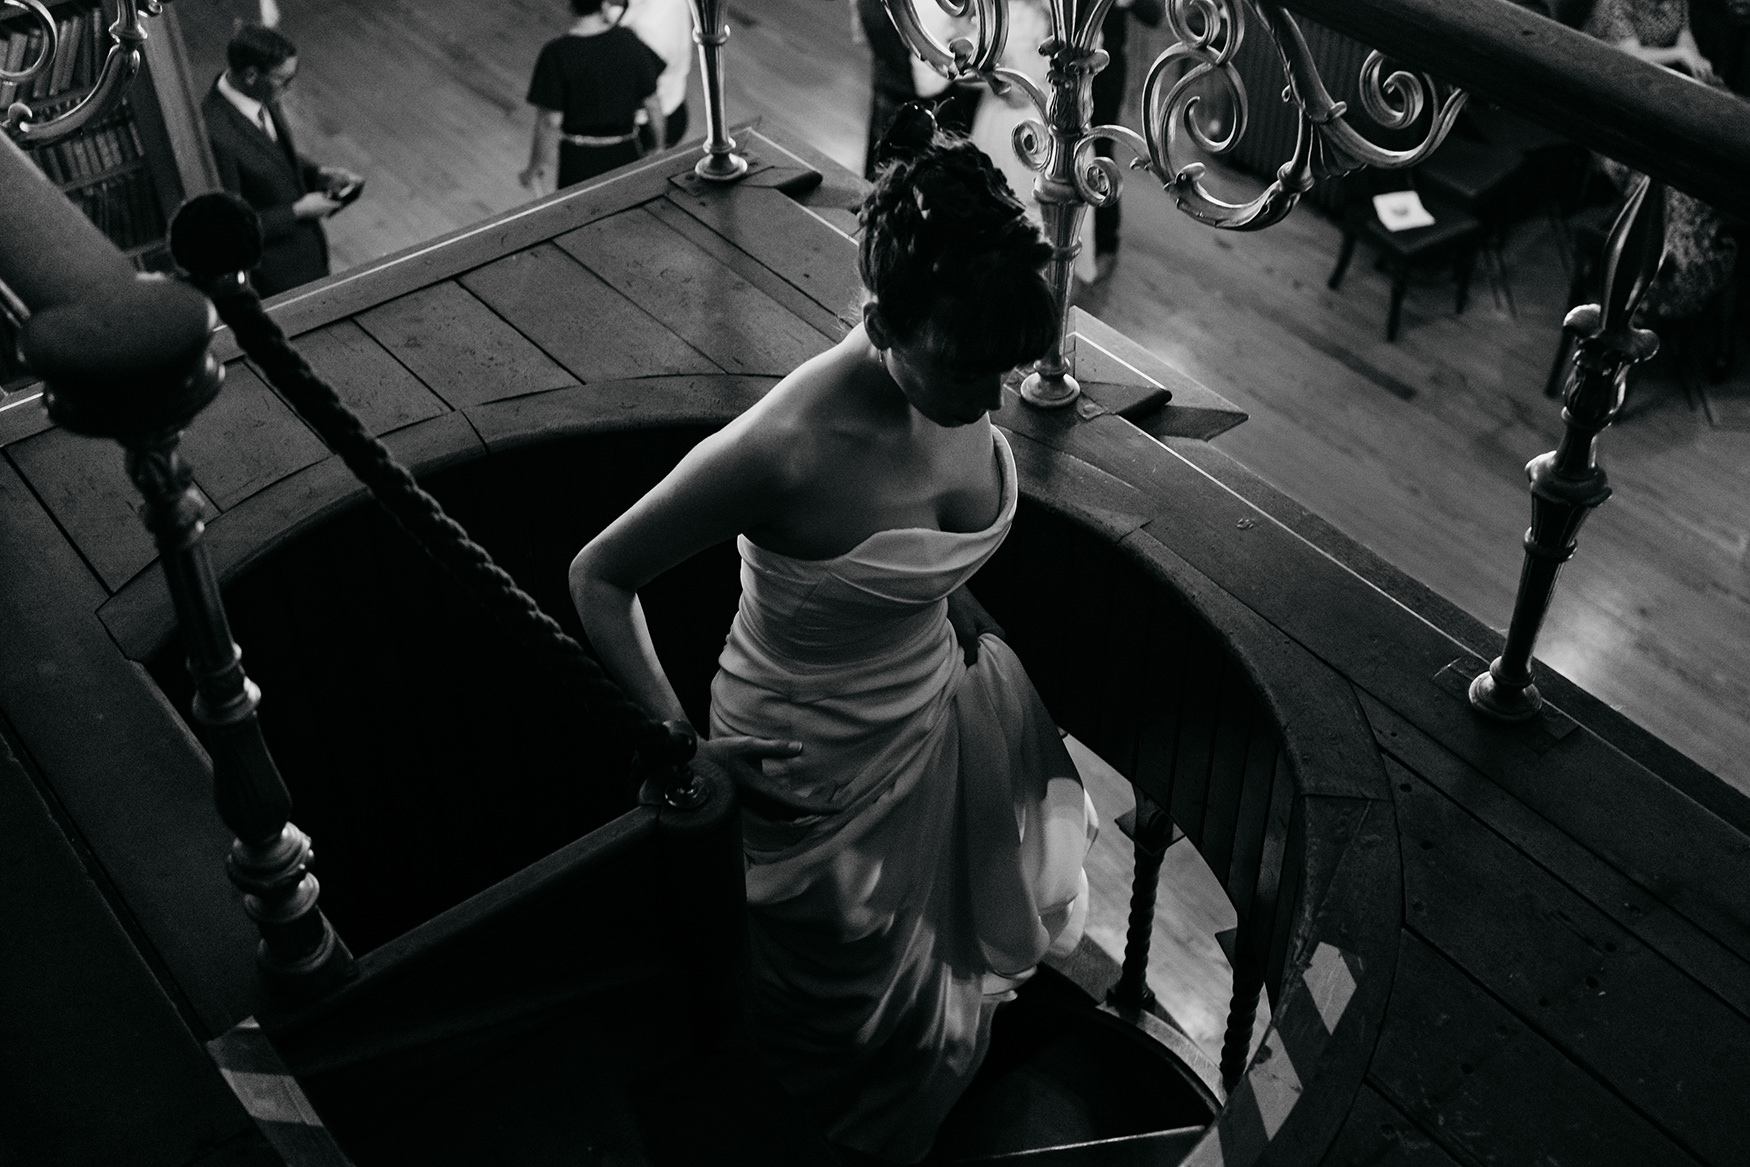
(33,48)
(11,59)
(66,49)
(1400,210)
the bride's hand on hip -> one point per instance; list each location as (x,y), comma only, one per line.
(740,757)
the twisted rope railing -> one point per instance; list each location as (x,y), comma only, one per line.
(211,238)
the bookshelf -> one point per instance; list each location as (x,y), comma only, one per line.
(129,169)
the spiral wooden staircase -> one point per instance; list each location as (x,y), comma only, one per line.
(1480,942)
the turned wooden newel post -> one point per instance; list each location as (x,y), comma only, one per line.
(136,367)
(127,357)
(1567,484)
(711,32)
(663,764)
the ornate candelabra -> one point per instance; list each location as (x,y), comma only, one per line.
(1059,147)
(120,66)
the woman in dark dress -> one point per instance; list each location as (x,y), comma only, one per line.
(587,90)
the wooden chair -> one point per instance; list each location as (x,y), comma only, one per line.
(1452,237)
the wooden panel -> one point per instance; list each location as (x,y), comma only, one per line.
(22,414)
(415,266)
(1489,1089)
(738,326)
(94,1053)
(85,486)
(1377,1134)
(1200,712)
(140,617)
(828,322)
(1337,985)
(120,762)
(1674,1051)
(606,405)
(578,320)
(806,252)
(246,439)
(459,348)
(370,382)
(1630,906)
(1222,822)
(1228,769)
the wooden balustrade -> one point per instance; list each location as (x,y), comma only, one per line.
(126,357)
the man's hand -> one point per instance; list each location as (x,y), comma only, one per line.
(530,177)
(338,178)
(314,205)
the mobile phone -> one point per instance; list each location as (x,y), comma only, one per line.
(344,196)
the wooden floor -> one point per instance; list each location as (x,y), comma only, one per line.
(1415,448)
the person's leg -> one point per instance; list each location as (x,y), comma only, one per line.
(676,129)
(1108,95)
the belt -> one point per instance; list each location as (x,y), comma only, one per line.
(593,140)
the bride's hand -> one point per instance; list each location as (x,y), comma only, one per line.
(970,621)
(740,757)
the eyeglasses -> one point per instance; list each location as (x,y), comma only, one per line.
(912,130)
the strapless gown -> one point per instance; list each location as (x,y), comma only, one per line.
(885,933)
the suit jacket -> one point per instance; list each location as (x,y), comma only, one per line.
(269,176)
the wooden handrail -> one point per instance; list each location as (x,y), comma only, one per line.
(1693,137)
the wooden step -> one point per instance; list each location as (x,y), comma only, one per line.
(1155,1149)
(1063,1072)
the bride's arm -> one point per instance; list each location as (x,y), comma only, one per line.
(723,486)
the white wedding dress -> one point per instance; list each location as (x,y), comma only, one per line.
(885,933)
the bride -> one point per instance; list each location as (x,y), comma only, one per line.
(913,828)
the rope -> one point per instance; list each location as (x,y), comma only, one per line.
(418,512)
(424,519)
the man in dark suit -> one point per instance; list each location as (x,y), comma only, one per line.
(257,161)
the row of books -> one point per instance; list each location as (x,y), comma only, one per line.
(84,42)
(124,207)
(107,146)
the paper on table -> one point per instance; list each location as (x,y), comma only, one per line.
(1400,210)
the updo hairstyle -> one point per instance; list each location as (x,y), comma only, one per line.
(953,260)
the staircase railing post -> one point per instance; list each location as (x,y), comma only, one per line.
(300,954)
(1151,834)
(711,32)
(128,357)
(1567,484)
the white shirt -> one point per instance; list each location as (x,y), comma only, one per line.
(667,27)
(247,106)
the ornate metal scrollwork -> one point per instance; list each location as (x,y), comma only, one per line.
(120,67)
(1328,144)
(1059,147)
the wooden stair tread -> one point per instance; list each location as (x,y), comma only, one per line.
(1060,1072)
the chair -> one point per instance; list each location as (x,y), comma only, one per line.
(1483,179)
(1453,236)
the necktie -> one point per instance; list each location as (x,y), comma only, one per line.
(266,124)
